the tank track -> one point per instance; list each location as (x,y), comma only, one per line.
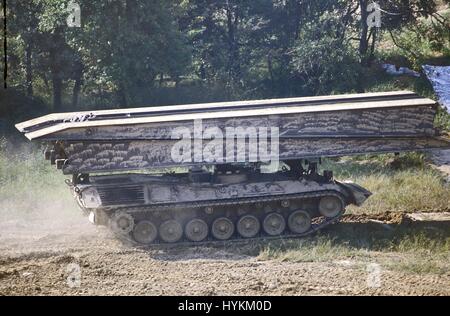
(317,222)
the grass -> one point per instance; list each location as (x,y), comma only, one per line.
(403,183)
(442,120)
(28,184)
(424,42)
(376,80)
(320,248)
(357,239)
(421,266)
(415,250)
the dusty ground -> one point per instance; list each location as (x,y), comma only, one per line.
(57,251)
(35,255)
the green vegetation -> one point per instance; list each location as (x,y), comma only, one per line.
(404,183)
(412,249)
(425,42)
(347,240)
(137,52)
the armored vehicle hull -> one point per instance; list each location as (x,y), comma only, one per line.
(215,206)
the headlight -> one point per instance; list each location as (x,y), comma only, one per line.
(90,198)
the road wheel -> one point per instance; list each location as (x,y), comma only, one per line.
(222,228)
(299,222)
(196,230)
(170,231)
(330,206)
(145,232)
(248,226)
(122,223)
(274,224)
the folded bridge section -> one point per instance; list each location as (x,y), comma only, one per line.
(311,127)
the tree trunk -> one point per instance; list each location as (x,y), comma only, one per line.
(234,62)
(121,95)
(76,92)
(130,12)
(372,46)
(78,76)
(176,78)
(28,69)
(57,91)
(270,68)
(294,15)
(56,67)
(363,42)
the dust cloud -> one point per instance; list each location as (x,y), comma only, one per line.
(37,210)
(44,224)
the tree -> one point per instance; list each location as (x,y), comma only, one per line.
(229,49)
(396,14)
(129,43)
(55,58)
(23,16)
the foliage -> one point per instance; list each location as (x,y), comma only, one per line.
(325,65)
(424,40)
(137,52)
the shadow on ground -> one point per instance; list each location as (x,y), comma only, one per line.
(384,232)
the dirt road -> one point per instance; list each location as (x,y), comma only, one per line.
(37,257)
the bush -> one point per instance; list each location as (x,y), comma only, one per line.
(16,107)
(325,65)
